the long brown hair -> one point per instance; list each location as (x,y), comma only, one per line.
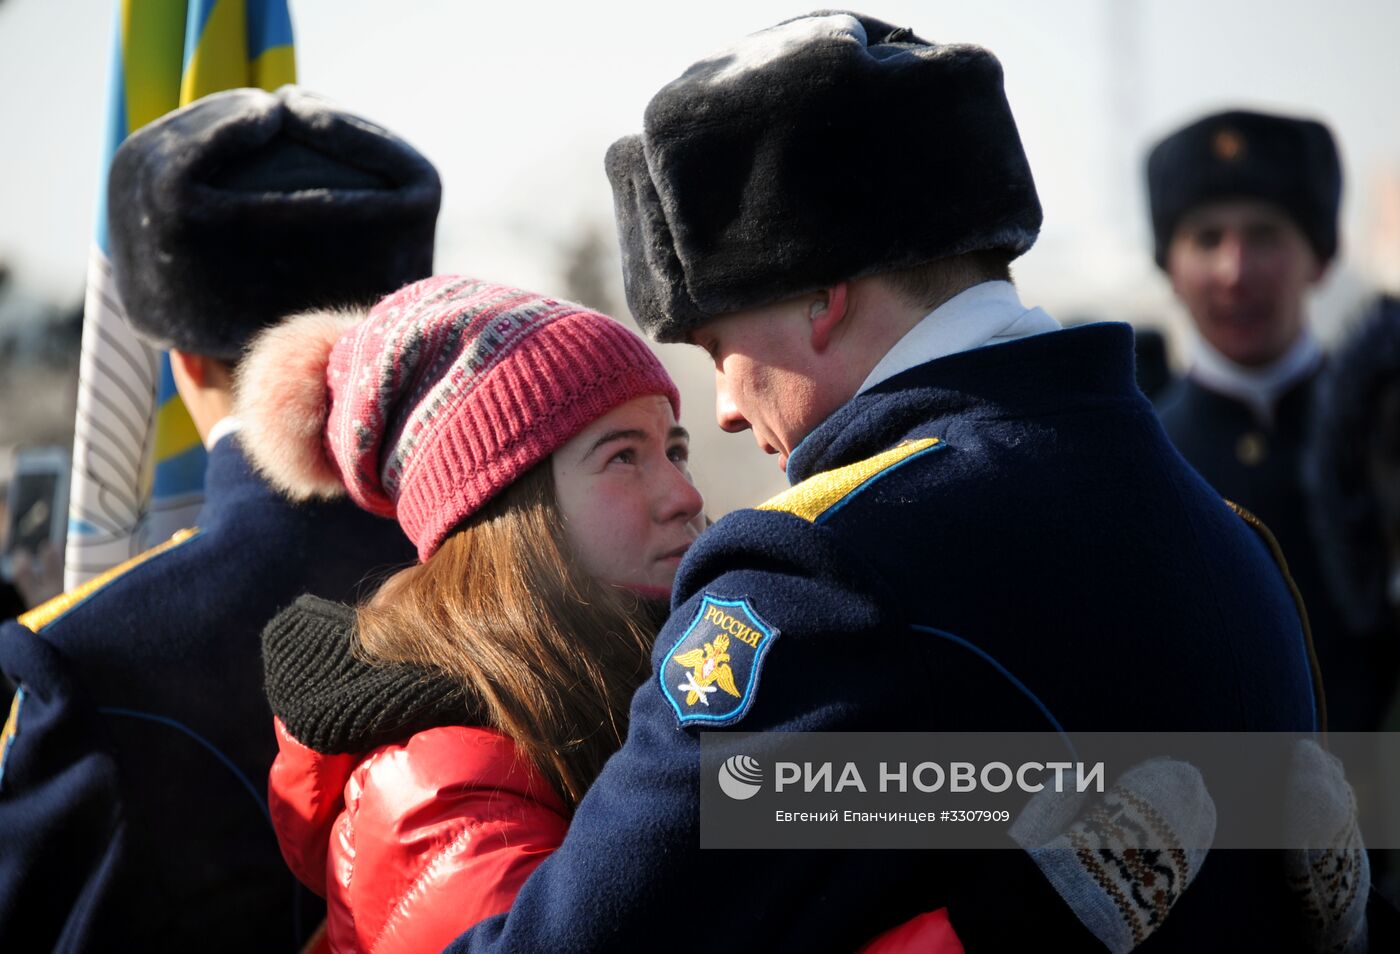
(552,655)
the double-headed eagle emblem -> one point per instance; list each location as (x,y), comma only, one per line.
(707,666)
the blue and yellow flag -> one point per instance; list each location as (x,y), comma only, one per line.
(138,464)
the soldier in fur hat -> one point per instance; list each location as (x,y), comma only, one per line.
(1244,218)
(986,529)
(133,812)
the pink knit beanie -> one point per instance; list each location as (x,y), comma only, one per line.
(435,400)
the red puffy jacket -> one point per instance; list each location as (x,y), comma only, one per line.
(930,933)
(415,842)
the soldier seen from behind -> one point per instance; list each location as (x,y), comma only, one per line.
(987,528)
(133,793)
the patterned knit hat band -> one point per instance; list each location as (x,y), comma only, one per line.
(452,388)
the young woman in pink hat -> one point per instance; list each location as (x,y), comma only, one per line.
(435,739)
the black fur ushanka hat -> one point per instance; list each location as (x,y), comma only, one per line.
(1290,162)
(825,148)
(247,206)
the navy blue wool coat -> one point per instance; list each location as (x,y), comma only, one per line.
(133,799)
(1053,534)
(1260,467)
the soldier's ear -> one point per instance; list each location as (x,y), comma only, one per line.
(200,370)
(826,313)
(188,366)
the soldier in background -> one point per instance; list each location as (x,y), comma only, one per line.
(1244,216)
(1351,474)
(133,771)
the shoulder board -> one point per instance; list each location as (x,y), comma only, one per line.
(45,613)
(1262,531)
(818,497)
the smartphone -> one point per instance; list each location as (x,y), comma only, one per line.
(37,506)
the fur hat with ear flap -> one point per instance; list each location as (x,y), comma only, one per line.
(825,148)
(243,207)
(439,397)
(1289,161)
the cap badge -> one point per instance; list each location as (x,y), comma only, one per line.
(1228,145)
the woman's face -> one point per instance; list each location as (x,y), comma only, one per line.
(624,488)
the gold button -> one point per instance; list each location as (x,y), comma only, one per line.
(1251,449)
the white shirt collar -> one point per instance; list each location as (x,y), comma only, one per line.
(1259,388)
(986,314)
(222,428)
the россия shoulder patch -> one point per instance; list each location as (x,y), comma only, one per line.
(710,676)
(820,496)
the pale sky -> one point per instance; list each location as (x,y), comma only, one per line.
(517,102)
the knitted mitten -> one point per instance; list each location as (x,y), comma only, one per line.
(1329,873)
(1121,864)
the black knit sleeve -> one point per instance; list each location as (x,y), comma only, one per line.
(333,702)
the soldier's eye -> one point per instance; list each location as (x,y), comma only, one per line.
(1264,235)
(1207,238)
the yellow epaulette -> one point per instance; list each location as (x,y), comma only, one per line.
(45,613)
(820,496)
